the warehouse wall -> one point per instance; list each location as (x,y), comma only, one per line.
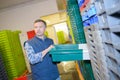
(22,16)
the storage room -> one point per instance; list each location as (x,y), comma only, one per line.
(59,40)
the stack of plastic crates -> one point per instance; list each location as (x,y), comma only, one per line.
(111,37)
(12,54)
(79,36)
(103,38)
(96,50)
(76,21)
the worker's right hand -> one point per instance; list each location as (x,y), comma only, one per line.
(44,52)
(50,47)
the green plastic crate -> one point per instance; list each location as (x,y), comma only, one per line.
(12,54)
(61,38)
(68,52)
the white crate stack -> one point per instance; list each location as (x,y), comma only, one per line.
(103,40)
(112,11)
(97,54)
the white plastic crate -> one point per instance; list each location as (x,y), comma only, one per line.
(115,38)
(109,50)
(116,28)
(97,37)
(95,64)
(112,52)
(99,7)
(104,68)
(94,37)
(112,21)
(92,53)
(96,25)
(113,66)
(95,74)
(89,37)
(101,65)
(102,21)
(106,36)
(96,71)
(90,28)
(117,56)
(114,10)
(110,4)
(117,46)
(98,56)
(102,56)
(96,41)
(106,21)
(113,76)
(94,59)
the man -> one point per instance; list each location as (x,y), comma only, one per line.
(37,50)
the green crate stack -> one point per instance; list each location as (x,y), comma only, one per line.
(19,53)
(76,22)
(61,38)
(7,55)
(79,36)
(12,54)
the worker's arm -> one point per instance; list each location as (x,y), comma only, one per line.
(31,55)
(35,57)
(47,50)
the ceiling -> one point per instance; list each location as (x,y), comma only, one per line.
(9,3)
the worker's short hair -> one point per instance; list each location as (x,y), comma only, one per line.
(40,20)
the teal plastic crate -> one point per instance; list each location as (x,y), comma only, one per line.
(66,52)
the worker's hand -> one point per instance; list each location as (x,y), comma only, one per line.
(44,52)
(50,47)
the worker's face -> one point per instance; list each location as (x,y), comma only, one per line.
(39,28)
